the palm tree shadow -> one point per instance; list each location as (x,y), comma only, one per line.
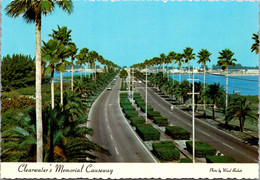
(252,140)
(228,127)
(201,116)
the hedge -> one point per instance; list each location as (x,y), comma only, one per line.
(140,103)
(177,132)
(128,108)
(161,121)
(136,94)
(165,151)
(202,149)
(163,144)
(185,160)
(136,98)
(130,113)
(123,95)
(147,132)
(219,159)
(152,114)
(135,120)
(149,108)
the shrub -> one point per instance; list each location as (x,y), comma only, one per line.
(127,107)
(177,132)
(137,120)
(123,95)
(168,144)
(202,149)
(165,151)
(149,108)
(130,113)
(220,159)
(137,98)
(17,103)
(140,103)
(185,160)
(161,121)
(137,94)
(152,114)
(147,132)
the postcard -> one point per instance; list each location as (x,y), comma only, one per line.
(129,89)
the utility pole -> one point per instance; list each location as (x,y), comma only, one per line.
(193,117)
(146,94)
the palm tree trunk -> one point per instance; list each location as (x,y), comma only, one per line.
(85,70)
(173,72)
(38,93)
(213,112)
(95,71)
(167,71)
(241,125)
(72,77)
(81,72)
(61,88)
(189,70)
(204,87)
(227,87)
(180,75)
(52,91)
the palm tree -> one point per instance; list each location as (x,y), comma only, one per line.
(239,109)
(225,59)
(32,11)
(255,46)
(162,61)
(82,56)
(203,56)
(72,52)
(188,55)
(179,60)
(172,56)
(93,55)
(197,88)
(63,36)
(52,51)
(214,93)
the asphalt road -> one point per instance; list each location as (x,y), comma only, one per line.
(222,141)
(112,131)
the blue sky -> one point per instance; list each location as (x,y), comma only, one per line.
(130,32)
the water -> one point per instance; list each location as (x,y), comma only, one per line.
(68,74)
(247,85)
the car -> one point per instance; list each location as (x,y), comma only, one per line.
(113,83)
(139,82)
(109,88)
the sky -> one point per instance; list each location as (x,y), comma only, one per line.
(128,32)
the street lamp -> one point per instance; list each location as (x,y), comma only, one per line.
(193,116)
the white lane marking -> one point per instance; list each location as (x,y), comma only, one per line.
(116,151)
(111,137)
(135,132)
(228,145)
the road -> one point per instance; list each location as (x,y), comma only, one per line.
(222,141)
(113,132)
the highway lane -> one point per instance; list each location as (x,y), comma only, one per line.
(222,141)
(112,131)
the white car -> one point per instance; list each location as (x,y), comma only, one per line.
(109,88)
(139,82)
